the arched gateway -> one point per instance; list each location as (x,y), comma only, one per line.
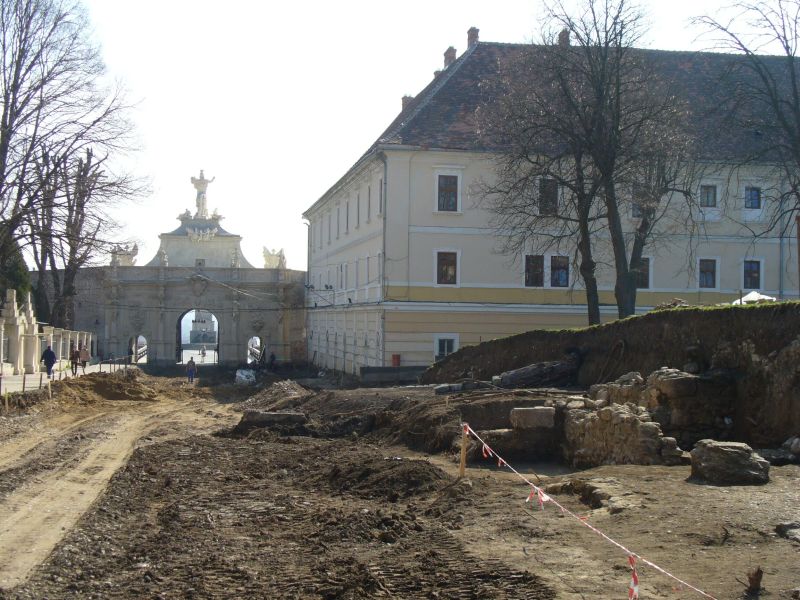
(198,267)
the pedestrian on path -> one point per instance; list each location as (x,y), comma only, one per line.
(85,357)
(74,359)
(49,359)
(191,369)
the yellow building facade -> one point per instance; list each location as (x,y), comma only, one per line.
(404,264)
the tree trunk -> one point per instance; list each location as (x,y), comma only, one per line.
(625,284)
(587,270)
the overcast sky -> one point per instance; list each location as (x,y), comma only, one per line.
(278,100)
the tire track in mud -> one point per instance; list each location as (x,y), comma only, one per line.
(50,496)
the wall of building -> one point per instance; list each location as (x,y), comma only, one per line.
(490,299)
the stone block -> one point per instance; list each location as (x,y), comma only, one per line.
(537,417)
(728,463)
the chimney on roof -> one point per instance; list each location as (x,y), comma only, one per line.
(472,36)
(449,56)
(436,73)
(406,101)
(563,38)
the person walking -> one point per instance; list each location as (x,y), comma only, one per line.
(49,359)
(74,359)
(191,369)
(84,356)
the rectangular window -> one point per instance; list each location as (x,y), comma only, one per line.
(559,271)
(446,268)
(358,209)
(534,270)
(447,193)
(338,222)
(708,273)
(643,275)
(347,217)
(752,274)
(380,196)
(329,228)
(752,198)
(708,196)
(548,197)
(444,346)
(369,203)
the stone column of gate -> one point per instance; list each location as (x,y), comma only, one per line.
(2,344)
(58,336)
(32,354)
(11,317)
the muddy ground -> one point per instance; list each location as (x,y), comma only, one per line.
(180,507)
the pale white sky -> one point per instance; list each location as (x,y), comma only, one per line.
(278,99)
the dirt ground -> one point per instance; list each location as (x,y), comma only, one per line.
(151,495)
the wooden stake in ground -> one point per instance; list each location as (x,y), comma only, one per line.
(49,390)
(753,585)
(24,377)
(462,469)
(41,375)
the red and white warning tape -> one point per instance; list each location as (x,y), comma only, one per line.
(542,498)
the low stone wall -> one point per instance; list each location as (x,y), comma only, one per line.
(755,345)
(615,434)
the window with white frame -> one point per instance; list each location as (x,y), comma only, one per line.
(380,196)
(707,273)
(444,344)
(447,192)
(347,217)
(534,270)
(369,203)
(358,210)
(447,268)
(752,198)
(338,221)
(708,196)
(559,271)
(329,228)
(752,274)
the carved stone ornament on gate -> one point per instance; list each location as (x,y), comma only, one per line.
(137,318)
(199,285)
(257,324)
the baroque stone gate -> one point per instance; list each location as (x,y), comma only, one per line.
(199,265)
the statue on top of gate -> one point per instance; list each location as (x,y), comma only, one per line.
(201,185)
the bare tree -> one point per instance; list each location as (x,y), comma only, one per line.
(52,97)
(73,225)
(763,92)
(595,115)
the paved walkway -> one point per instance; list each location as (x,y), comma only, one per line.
(13,383)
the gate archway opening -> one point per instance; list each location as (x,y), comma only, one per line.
(137,349)
(255,350)
(197,337)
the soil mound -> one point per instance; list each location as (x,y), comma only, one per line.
(278,396)
(122,385)
(389,477)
